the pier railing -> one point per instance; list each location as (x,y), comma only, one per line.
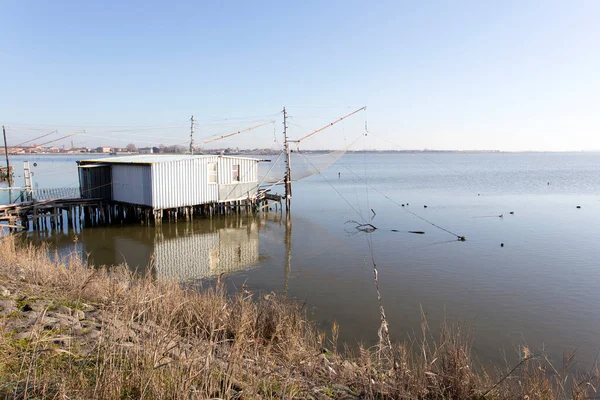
(21,194)
(56,193)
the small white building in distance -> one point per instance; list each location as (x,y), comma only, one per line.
(146,150)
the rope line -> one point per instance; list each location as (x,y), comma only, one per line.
(365,160)
(270,169)
(337,191)
(460,237)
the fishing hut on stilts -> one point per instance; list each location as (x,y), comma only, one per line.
(154,188)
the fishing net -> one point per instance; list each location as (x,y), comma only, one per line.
(303,165)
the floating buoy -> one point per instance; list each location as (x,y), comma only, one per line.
(578,206)
(395,230)
(462,238)
(512,213)
(402,205)
(478,194)
(406,203)
(424,206)
(501,244)
(417,232)
(501,216)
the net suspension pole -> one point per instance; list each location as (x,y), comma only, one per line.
(288,169)
(192,135)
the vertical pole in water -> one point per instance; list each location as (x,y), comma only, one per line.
(288,254)
(192,136)
(288,178)
(8,177)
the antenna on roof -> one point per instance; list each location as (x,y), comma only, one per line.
(192,136)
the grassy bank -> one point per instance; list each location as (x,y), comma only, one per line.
(70,331)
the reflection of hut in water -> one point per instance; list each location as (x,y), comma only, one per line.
(187,251)
(200,255)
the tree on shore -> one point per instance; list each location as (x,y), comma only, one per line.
(131,148)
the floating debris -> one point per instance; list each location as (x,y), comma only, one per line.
(362,227)
(395,230)
(462,238)
(402,205)
(417,232)
(512,213)
(424,206)
(578,206)
(501,244)
(501,216)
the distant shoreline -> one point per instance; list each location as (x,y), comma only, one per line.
(254,152)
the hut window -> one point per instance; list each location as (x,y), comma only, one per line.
(212,172)
(236,173)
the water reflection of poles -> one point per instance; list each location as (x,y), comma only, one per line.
(288,252)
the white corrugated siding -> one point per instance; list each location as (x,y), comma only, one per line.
(246,186)
(132,183)
(248,170)
(185,182)
(182,183)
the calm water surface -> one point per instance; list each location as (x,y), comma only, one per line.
(541,289)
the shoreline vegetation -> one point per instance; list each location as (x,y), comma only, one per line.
(69,330)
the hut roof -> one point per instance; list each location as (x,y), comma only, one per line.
(155,158)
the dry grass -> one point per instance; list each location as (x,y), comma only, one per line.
(161,340)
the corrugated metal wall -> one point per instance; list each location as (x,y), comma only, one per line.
(182,183)
(172,184)
(185,182)
(248,178)
(248,170)
(132,183)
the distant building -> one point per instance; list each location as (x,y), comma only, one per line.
(146,150)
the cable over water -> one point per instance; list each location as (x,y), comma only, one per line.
(459,237)
(338,192)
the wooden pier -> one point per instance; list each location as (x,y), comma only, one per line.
(58,214)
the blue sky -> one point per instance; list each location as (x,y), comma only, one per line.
(510,75)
